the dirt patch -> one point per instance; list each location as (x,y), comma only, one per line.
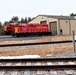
(56,50)
(42,51)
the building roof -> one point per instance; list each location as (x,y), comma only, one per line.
(59,16)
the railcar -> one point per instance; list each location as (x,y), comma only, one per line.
(8,29)
(31,29)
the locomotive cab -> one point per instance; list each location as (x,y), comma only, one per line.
(20,30)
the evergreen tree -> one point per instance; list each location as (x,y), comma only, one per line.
(5,23)
(0,25)
(73,14)
(11,21)
(26,20)
(29,19)
(15,19)
(22,20)
(0,28)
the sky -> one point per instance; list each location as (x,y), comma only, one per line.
(32,8)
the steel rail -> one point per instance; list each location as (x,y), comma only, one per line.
(39,43)
(38,59)
(42,67)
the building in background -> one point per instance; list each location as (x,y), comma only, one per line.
(59,25)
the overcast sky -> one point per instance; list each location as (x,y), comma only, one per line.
(32,8)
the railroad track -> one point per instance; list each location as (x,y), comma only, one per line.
(40,43)
(38,69)
(38,64)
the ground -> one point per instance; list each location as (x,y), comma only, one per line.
(48,39)
(40,50)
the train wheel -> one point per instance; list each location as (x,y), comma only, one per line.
(6,33)
(12,33)
(17,35)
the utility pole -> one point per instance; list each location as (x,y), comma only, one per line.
(73,36)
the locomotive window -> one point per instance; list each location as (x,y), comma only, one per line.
(24,26)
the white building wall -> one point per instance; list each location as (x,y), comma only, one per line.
(38,19)
(64,26)
(73,25)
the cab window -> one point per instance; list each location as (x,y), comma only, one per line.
(24,26)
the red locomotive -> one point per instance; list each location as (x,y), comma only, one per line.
(8,29)
(28,29)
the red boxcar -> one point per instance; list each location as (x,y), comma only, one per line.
(28,29)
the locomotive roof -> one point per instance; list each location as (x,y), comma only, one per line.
(13,23)
(36,24)
(22,24)
(30,24)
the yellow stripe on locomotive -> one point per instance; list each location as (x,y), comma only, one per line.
(16,29)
